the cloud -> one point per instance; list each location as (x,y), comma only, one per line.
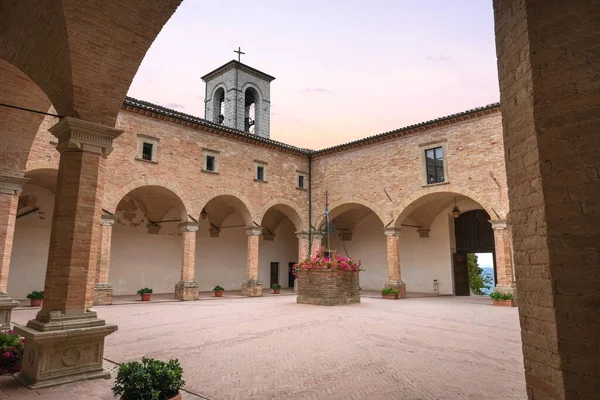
(318,90)
(175,106)
(440,57)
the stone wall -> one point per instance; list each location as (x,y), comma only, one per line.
(327,288)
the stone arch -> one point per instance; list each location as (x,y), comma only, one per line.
(287,208)
(241,204)
(355,200)
(41,164)
(45,176)
(248,85)
(406,207)
(112,200)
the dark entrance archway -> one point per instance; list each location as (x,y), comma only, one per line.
(474,234)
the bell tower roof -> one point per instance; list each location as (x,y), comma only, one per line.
(240,66)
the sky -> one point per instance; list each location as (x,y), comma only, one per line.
(344,69)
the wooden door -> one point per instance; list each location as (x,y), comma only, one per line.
(291,276)
(461,275)
(274,273)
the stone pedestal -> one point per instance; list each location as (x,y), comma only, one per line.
(252,288)
(6,306)
(327,288)
(63,349)
(103,293)
(399,286)
(186,291)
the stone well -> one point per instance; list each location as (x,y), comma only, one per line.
(327,287)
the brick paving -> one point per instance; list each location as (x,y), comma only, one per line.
(272,348)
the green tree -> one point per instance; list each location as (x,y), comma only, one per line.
(478,281)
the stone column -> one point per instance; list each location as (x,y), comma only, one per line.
(393,257)
(317,240)
(187,288)
(103,290)
(10,188)
(303,240)
(252,287)
(504,262)
(65,342)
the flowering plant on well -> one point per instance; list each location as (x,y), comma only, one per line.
(11,352)
(324,260)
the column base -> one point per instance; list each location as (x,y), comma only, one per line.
(103,293)
(6,306)
(60,349)
(508,289)
(186,291)
(252,288)
(399,286)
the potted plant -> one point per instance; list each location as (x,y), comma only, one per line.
(389,293)
(502,299)
(218,291)
(36,298)
(151,379)
(276,288)
(145,293)
(11,352)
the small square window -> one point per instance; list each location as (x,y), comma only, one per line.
(210,163)
(147,150)
(260,173)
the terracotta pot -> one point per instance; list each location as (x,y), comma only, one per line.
(178,397)
(389,296)
(276,291)
(503,303)
(146,296)
(218,293)
(36,302)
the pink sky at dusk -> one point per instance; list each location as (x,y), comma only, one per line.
(345,69)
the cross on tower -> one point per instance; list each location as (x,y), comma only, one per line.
(239,53)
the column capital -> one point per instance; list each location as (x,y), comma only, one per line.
(392,231)
(317,236)
(302,235)
(254,231)
(108,220)
(499,224)
(11,184)
(188,226)
(74,133)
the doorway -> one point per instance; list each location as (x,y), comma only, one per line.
(291,276)
(274,273)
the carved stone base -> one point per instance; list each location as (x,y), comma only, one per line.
(186,291)
(252,288)
(6,306)
(60,349)
(103,293)
(508,289)
(399,286)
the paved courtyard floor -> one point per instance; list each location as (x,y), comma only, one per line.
(272,348)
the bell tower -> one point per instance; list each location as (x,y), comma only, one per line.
(239,96)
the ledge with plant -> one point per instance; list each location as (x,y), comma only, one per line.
(502,299)
(151,379)
(145,294)
(389,294)
(218,291)
(36,298)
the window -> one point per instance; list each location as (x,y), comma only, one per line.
(301,181)
(434,159)
(147,148)
(210,163)
(260,171)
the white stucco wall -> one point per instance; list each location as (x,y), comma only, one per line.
(283,249)
(30,245)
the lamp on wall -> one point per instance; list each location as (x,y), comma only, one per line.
(455,210)
(203,213)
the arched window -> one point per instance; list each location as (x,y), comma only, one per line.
(251,109)
(219,106)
